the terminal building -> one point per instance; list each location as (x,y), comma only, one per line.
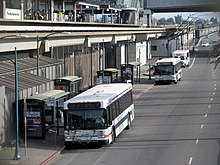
(49,59)
(68,10)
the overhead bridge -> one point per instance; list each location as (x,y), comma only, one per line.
(183,5)
(75,34)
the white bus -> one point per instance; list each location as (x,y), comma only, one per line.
(98,115)
(184,55)
(168,70)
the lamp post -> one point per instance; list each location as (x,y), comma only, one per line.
(127,50)
(15,63)
(103,61)
(39,46)
(17,155)
(91,78)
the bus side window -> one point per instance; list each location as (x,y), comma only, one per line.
(109,114)
(117,107)
(114,110)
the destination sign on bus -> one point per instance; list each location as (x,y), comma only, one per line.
(164,63)
(89,105)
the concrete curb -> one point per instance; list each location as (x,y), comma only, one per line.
(52,157)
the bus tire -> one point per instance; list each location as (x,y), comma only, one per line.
(175,81)
(113,135)
(129,122)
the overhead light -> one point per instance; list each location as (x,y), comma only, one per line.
(68,33)
(22,36)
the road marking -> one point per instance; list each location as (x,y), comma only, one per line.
(197,141)
(211,99)
(213,93)
(215,88)
(209,106)
(190,160)
(192,63)
(201,126)
(206,115)
(215,85)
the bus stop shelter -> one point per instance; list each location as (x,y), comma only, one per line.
(41,112)
(109,75)
(71,84)
(127,72)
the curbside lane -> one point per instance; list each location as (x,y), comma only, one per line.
(52,157)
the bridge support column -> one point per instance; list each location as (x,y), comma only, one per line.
(149,17)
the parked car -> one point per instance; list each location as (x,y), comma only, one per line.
(205,44)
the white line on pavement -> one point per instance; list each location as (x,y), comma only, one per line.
(190,160)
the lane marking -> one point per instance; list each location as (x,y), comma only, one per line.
(215,85)
(190,160)
(192,63)
(211,99)
(213,93)
(215,88)
(209,106)
(206,115)
(197,141)
(201,126)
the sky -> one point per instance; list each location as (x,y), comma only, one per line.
(185,15)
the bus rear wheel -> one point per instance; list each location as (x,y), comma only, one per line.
(129,122)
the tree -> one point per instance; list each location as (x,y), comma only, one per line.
(178,19)
(170,21)
(213,20)
(162,21)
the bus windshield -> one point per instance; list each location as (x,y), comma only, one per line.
(164,70)
(86,119)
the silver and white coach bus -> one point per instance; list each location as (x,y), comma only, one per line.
(98,115)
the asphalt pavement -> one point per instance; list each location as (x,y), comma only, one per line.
(42,152)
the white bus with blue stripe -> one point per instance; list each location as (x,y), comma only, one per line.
(98,115)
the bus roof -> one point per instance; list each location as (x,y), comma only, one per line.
(104,93)
(69,78)
(181,51)
(52,93)
(167,61)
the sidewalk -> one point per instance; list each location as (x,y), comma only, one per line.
(41,152)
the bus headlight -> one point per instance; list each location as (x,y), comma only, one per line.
(67,137)
(102,135)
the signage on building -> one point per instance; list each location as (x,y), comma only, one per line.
(104,6)
(51,101)
(12,13)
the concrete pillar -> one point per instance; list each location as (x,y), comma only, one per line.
(4,8)
(148,51)
(149,17)
(51,10)
(74,11)
(22,9)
